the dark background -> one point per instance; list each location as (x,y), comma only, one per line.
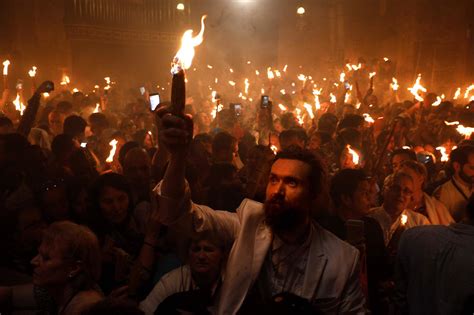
(135,40)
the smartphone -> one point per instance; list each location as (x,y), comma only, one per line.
(237,108)
(142,90)
(265,102)
(355,232)
(19,85)
(154,101)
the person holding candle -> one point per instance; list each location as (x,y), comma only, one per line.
(423,203)
(397,192)
(277,248)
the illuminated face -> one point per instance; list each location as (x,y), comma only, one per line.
(205,258)
(397,160)
(398,195)
(466,172)
(360,200)
(288,197)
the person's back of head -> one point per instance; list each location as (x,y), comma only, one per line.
(65,108)
(6,125)
(294,136)
(223,147)
(351,121)
(98,123)
(137,168)
(75,126)
(125,149)
(62,146)
(328,123)
(288,121)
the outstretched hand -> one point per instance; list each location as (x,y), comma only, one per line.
(45,87)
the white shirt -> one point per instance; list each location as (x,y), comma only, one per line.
(389,227)
(452,198)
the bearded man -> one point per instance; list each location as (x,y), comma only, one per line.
(278,252)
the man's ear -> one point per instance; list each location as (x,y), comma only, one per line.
(76,268)
(456,167)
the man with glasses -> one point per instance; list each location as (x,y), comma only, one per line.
(394,214)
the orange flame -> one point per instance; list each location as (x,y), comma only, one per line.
(6,63)
(355,155)
(110,158)
(465,131)
(457,93)
(438,101)
(270,74)
(309,109)
(19,106)
(97,108)
(32,72)
(444,155)
(468,91)
(368,118)
(372,74)
(184,56)
(282,107)
(403,219)
(274,149)
(394,85)
(416,88)
(247,85)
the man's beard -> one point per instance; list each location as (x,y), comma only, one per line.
(281,216)
(466,178)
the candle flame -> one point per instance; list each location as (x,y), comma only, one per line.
(209,66)
(368,118)
(372,74)
(404,219)
(19,106)
(309,109)
(32,72)
(65,80)
(282,107)
(184,56)
(97,108)
(316,94)
(385,59)
(468,91)
(113,144)
(270,74)
(6,63)
(333,98)
(416,88)
(302,77)
(451,123)
(274,149)
(457,93)
(298,116)
(355,155)
(342,77)
(444,155)
(438,101)
(232,83)
(283,91)
(247,85)
(465,131)
(277,73)
(285,68)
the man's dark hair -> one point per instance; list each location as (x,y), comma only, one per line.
(351,121)
(64,107)
(461,154)
(125,149)
(298,133)
(74,125)
(99,119)
(5,121)
(317,176)
(345,182)
(223,141)
(61,144)
(288,120)
(408,152)
(327,122)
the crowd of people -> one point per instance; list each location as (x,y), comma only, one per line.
(356,205)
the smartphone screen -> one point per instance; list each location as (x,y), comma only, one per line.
(154,101)
(265,101)
(238,109)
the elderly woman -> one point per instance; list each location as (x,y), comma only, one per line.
(191,287)
(423,203)
(66,271)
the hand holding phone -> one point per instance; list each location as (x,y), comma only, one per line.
(154,101)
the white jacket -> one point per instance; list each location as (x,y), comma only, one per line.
(332,274)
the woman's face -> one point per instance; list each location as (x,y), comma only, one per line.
(205,257)
(50,268)
(114,205)
(417,178)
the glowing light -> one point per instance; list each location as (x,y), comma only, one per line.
(468,91)
(457,93)
(231,70)
(247,85)
(184,56)
(317,103)
(451,123)
(180,7)
(444,155)
(274,149)
(6,63)
(113,144)
(385,59)
(232,83)
(404,219)
(372,74)
(438,101)
(32,72)
(309,109)
(283,91)
(301,11)
(75,90)
(270,74)
(465,131)
(332,98)
(209,66)
(282,107)
(257,73)
(354,154)
(302,77)
(19,106)
(65,80)
(83,144)
(416,88)
(298,116)
(277,73)
(97,108)
(285,68)
(342,77)
(45,94)
(368,118)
